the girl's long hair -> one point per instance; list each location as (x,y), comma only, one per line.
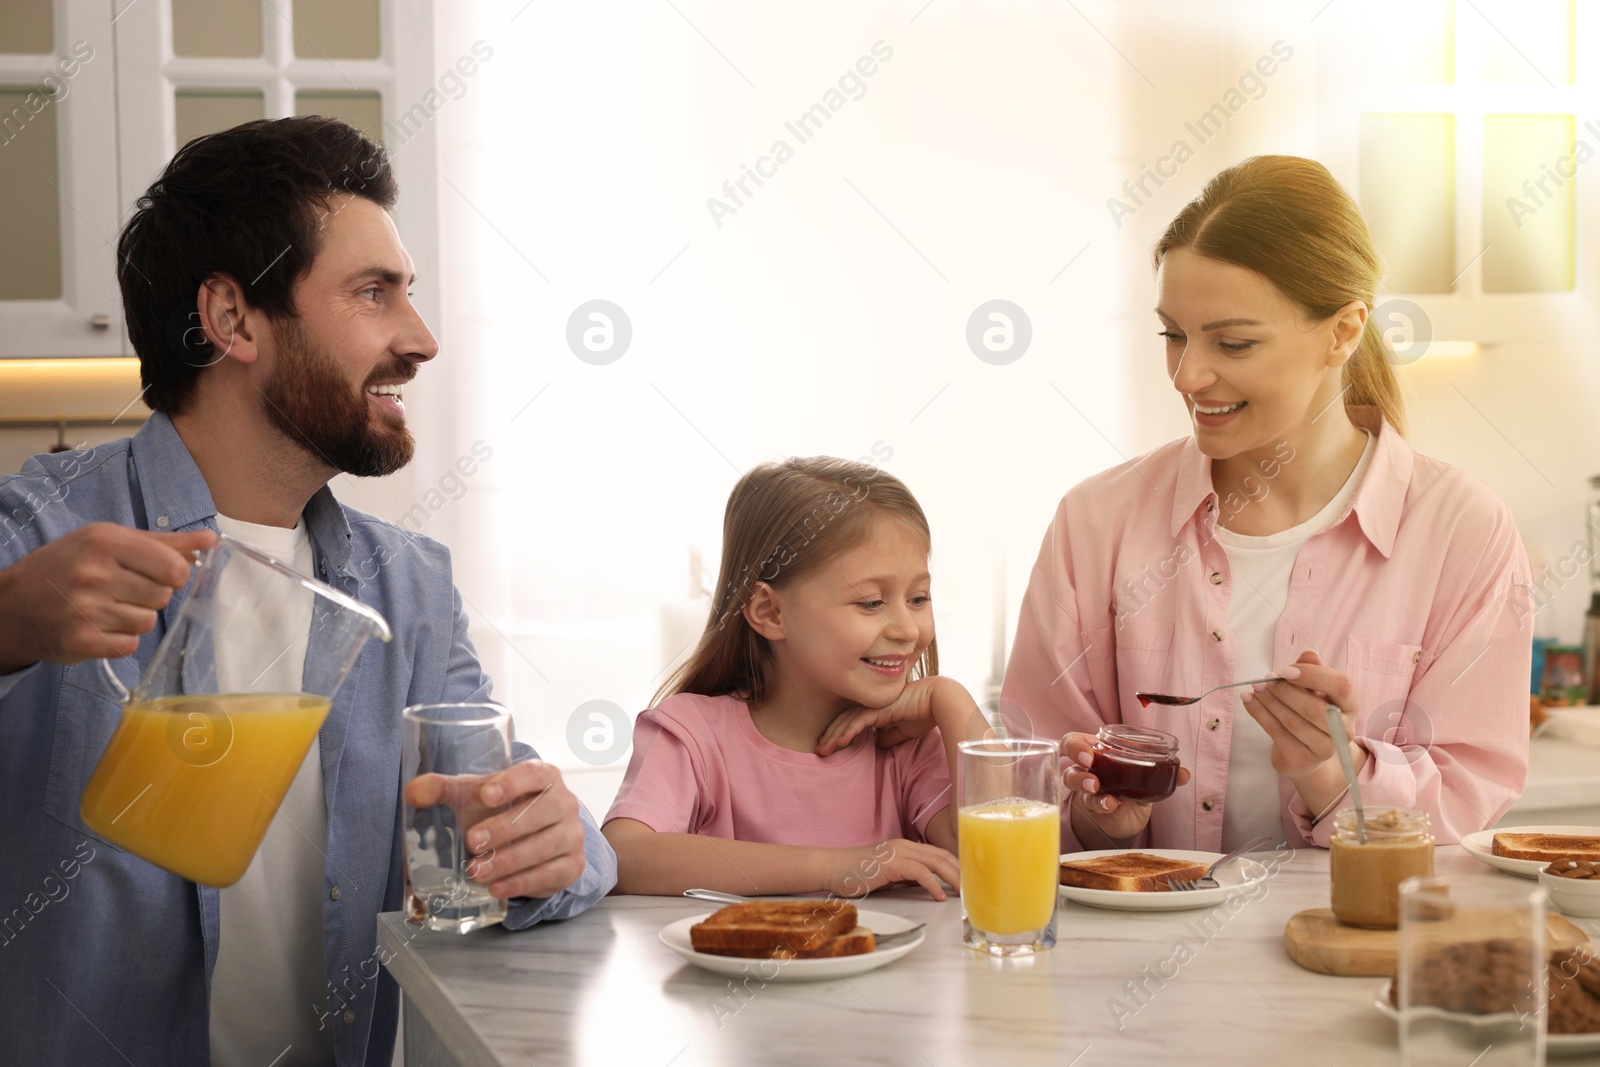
(784,520)
(1286,218)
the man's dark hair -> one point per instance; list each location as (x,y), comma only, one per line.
(246,202)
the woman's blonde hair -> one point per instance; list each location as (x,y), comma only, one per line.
(784,520)
(1288,220)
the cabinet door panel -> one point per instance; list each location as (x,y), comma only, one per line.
(30,173)
(58,291)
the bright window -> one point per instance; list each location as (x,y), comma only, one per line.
(1473,156)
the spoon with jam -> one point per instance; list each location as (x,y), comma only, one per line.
(1146,699)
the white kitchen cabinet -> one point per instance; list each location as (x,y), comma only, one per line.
(58,180)
(97,95)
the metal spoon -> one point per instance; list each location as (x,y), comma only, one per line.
(717,897)
(1341,748)
(1146,699)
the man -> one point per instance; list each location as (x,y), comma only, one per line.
(266,291)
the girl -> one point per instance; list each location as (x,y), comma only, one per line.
(1293,534)
(758,772)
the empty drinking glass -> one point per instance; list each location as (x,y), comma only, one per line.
(462,744)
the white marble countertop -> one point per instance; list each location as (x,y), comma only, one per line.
(602,989)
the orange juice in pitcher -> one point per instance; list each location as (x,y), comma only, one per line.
(221,720)
(191,782)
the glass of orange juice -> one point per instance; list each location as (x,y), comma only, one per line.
(207,743)
(1009,823)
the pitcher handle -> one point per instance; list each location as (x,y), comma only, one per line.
(123,696)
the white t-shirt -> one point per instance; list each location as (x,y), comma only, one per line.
(1260,568)
(269,972)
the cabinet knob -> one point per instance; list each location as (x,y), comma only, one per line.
(101,321)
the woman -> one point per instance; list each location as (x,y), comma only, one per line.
(1294,534)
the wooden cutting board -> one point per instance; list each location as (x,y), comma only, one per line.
(1318,942)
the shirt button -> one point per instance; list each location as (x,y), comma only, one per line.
(334,893)
(1211,505)
(1216,577)
(348,1016)
(1217,634)
(1416,657)
(1213,724)
(163,522)
(1207,804)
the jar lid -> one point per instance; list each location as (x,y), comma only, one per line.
(1138,741)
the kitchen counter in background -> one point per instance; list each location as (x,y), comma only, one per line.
(1563,772)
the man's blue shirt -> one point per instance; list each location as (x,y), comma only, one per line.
(105,957)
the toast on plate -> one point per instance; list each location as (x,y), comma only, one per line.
(1546,847)
(853,943)
(782,929)
(1130,872)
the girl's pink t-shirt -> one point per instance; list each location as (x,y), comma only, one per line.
(700,766)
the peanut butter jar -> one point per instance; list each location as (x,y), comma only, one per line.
(1367,877)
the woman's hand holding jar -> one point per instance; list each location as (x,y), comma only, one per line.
(1131,761)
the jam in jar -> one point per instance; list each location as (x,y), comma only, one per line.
(1367,876)
(1135,762)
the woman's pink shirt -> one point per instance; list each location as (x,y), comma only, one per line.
(1419,592)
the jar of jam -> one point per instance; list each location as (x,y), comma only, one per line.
(1135,762)
(1367,877)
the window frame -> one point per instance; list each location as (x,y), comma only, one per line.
(1469,313)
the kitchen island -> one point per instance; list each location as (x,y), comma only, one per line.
(1190,987)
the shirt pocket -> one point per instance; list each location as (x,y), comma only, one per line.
(1097,663)
(1144,657)
(87,714)
(1382,673)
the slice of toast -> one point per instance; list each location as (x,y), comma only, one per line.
(853,943)
(1132,872)
(761,928)
(1546,847)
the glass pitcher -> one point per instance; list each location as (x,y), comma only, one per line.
(216,729)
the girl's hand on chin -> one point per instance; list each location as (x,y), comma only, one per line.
(908,716)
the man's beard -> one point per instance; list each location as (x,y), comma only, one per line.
(311,403)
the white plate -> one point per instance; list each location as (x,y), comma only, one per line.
(1233,876)
(1555,1044)
(676,937)
(1481,846)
